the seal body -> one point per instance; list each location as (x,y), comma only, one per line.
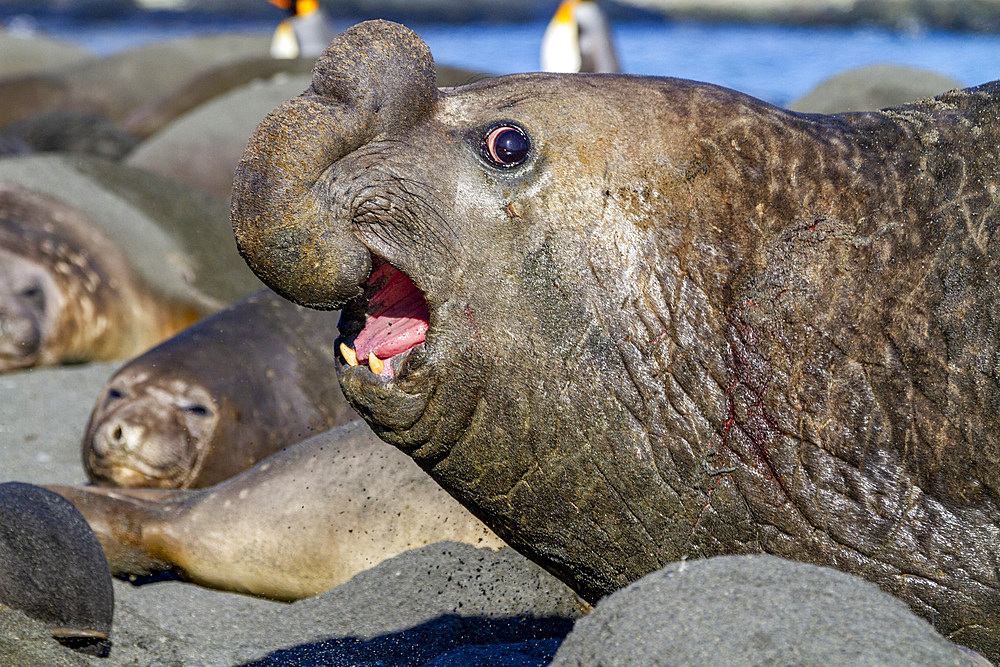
(218,397)
(52,567)
(101,261)
(665,321)
(297,524)
(68,293)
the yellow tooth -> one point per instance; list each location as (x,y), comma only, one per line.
(349,356)
(375,364)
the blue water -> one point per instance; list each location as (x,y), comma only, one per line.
(775,63)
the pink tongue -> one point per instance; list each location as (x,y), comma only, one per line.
(397,317)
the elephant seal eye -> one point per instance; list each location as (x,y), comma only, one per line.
(506,146)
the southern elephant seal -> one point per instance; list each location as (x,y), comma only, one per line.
(52,568)
(217,398)
(117,85)
(68,293)
(179,151)
(664,321)
(296,524)
(175,241)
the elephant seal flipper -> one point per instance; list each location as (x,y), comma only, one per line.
(665,321)
(126,548)
(298,523)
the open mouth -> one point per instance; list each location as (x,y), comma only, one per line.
(393,324)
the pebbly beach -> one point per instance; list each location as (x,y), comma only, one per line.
(144,143)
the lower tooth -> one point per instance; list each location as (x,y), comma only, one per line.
(375,364)
(349,356)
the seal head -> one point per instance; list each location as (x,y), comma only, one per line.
(664,321)
(67,292)
(217,398)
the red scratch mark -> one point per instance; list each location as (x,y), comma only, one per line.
(707,502)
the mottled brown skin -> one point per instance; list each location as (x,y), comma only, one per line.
(67,293)
(296,524)
(217,398)
(690,324)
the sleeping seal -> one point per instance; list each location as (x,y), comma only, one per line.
(633,320)
(68,293)
(296,524)
(217,398)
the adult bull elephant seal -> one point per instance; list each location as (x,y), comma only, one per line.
(664,321)
(68,293)
(52,567)
(217,398)
(297,524)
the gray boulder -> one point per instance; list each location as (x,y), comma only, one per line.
(53,568)
(873,87)
(753,610)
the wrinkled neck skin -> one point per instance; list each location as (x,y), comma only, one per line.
(694,324)
(702,344)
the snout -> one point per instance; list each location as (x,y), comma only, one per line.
(374,80)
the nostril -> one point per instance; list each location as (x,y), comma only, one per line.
(116,434)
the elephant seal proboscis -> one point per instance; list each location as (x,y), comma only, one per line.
(68,293)
(651,319)
(217,398)
(52,567)
(299,523)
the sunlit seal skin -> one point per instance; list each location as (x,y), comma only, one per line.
(217,398)
(664,321)
(296,524)
(52,567)
(67,292)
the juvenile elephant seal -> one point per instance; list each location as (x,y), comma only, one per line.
(68,293)
(664,321)
(217,398)
(52,568)
(297,524)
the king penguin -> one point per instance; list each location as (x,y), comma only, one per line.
(304,34)
(578,39)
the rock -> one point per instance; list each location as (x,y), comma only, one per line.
(873,87)
(753,610)
(52,567)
